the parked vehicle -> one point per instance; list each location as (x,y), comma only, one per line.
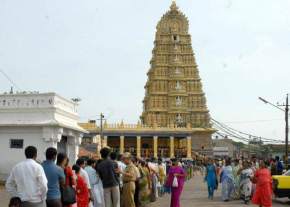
(281,185)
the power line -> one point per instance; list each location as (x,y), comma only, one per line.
(252,121)
(231,133)
(222,132)
(239,135)
(233,130)
(9,79)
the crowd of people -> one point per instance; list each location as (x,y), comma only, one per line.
(122,180)
(248,180)
(113,181)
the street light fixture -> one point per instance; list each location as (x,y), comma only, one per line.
(267,102)
(286,111)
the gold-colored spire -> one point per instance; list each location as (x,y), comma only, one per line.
(173,5)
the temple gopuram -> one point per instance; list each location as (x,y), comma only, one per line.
(175,121)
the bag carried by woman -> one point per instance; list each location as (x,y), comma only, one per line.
(175,182)
(68,194)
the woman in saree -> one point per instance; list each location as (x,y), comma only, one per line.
(144,184)
(227,180)
(246,175)
(161,177)
(263,180)
(82,190)
(236,169)
(179,173)
(211,178)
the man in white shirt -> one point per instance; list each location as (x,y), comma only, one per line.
(122,168)
(27,181)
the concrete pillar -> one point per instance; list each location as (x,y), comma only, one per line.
(171,154)
(155,146)
(138,146)
(188,147)
(122,139)
(73,147)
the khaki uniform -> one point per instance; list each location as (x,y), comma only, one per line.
(161,175)
(129,186)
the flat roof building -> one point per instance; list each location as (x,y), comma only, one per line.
(39,119)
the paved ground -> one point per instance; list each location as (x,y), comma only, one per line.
(194,194)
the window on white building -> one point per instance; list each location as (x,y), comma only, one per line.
(16,143)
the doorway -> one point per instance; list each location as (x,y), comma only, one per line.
(62,145)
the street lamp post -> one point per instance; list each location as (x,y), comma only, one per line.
(101,125)
(286,111)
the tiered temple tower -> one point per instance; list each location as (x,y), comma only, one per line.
(175,120)
(174,95)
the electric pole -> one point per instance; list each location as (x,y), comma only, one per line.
(286,130)
(286,111)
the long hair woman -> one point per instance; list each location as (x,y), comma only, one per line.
(179,173)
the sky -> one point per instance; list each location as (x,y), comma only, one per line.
(99,51)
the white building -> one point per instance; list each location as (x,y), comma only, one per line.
(220,151)
(42,120)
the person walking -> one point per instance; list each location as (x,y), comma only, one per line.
(96,184)
(56,178)
(81,188)
(227,180)
(175,172)
(236,168)
(107,170)
(27,181)
(129,179)
(211,178)
(246,183)
(263,180)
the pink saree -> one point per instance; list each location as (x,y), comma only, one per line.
(175,191)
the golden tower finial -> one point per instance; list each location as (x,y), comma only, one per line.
(173,5)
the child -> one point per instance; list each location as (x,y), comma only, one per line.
(81,189)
